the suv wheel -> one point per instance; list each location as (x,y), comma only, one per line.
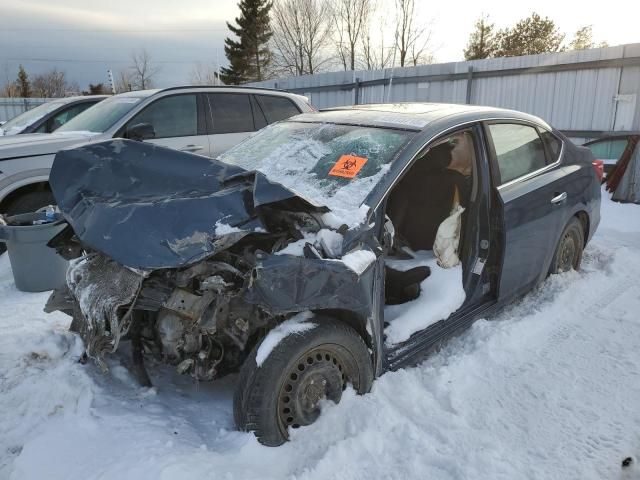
(301,370)
(568,253)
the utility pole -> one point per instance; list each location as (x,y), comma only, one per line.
(111,83)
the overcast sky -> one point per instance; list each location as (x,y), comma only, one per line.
(86,37)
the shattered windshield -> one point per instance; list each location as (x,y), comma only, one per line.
(332,165)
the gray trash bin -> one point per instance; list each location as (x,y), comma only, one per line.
(36,267)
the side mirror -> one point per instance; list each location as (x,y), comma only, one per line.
(140,132)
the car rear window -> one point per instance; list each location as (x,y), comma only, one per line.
(553,144)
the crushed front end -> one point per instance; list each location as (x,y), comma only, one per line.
(195,264)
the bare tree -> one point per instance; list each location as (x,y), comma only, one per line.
(301,33)
(204,74)
(377,49)
(9,87)
(142,69)
(123,81)
(53,84)
(412,36)
(351,18)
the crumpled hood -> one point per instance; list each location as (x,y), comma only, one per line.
(32,144)
(150,207)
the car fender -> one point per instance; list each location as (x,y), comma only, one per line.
(9,184)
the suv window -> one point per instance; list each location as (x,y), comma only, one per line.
(174,116)
(611,149)
(519,150)
(62,117)
(231,112)
(277,108)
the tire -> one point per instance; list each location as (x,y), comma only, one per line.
(568,254)
(303,368)
(30,202)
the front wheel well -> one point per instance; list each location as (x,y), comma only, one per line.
(352,319)
(24,190)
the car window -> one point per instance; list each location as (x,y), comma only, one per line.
(174,116)
(553,144)
(519,150)
(102,116)
(231,112)
(611,149)
(259,120)
(277,108)
(63,117)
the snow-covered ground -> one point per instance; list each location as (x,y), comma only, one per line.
(548,389)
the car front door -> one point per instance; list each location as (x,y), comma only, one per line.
(532,194)
(177,121)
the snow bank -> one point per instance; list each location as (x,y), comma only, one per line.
(623,217)
(296,324)
(441,295)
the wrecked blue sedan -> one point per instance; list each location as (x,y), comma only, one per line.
(321,252)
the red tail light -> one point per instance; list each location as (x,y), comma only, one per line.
(598,166)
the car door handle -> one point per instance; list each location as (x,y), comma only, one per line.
(192,148)
(559,198)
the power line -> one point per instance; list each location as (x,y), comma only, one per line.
(94,47)
(71,60)
(115,30)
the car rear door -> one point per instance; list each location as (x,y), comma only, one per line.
(178,122)
(231,120)
(235,116)
(531,196)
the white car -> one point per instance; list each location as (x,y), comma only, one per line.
(202,120)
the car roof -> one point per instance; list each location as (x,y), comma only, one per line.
(619,136)
(76,98)
(412,116)
(229,88)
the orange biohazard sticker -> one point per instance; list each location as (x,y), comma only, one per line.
(348,166)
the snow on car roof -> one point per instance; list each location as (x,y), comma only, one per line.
(410,116)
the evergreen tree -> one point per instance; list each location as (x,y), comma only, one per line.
(530,36)
(482,41)
(249,56)
(24,87)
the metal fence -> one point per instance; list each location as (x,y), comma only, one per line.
(586,93)
(10,107)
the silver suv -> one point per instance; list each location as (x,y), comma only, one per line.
(202,120)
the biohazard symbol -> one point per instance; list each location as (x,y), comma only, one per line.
(348,166)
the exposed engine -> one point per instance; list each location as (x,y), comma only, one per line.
(194,318)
